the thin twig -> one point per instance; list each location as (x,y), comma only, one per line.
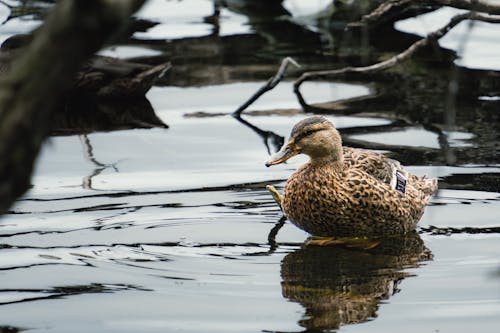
(383,10)
(270,84)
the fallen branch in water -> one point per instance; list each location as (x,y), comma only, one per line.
(433,37)
(270,84)
(389,9)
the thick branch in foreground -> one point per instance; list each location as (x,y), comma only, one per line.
(72,33)
(391,62)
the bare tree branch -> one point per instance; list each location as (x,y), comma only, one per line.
(431,38)
(270,84)
(389,8)
(473,5)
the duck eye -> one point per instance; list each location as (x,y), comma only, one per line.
(306,133)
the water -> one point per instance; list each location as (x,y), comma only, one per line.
(161,230)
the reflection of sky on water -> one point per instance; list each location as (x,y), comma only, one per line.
(305,8)
(185,19)
(124,52)
(194,152)
(193,252)
(417,137)
(179,19)
(481,49)
(18,25)
(208,98)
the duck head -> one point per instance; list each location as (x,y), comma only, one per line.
(316,137)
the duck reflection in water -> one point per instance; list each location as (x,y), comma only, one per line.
(340,285)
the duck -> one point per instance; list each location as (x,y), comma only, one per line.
(347,192)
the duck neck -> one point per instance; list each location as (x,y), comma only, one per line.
(327,151)
(333,161)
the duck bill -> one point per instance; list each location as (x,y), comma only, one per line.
(286,152)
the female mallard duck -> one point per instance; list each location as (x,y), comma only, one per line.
(348,192)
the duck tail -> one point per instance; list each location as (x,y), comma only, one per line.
(429,186)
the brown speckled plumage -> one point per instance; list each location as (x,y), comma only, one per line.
(347,192)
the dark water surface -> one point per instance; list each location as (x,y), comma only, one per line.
(166,230)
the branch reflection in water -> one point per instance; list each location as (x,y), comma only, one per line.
(100,167)
(340,285)
(82,116)
(272,141)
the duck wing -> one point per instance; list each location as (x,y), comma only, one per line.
(376,165)
(387,170)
